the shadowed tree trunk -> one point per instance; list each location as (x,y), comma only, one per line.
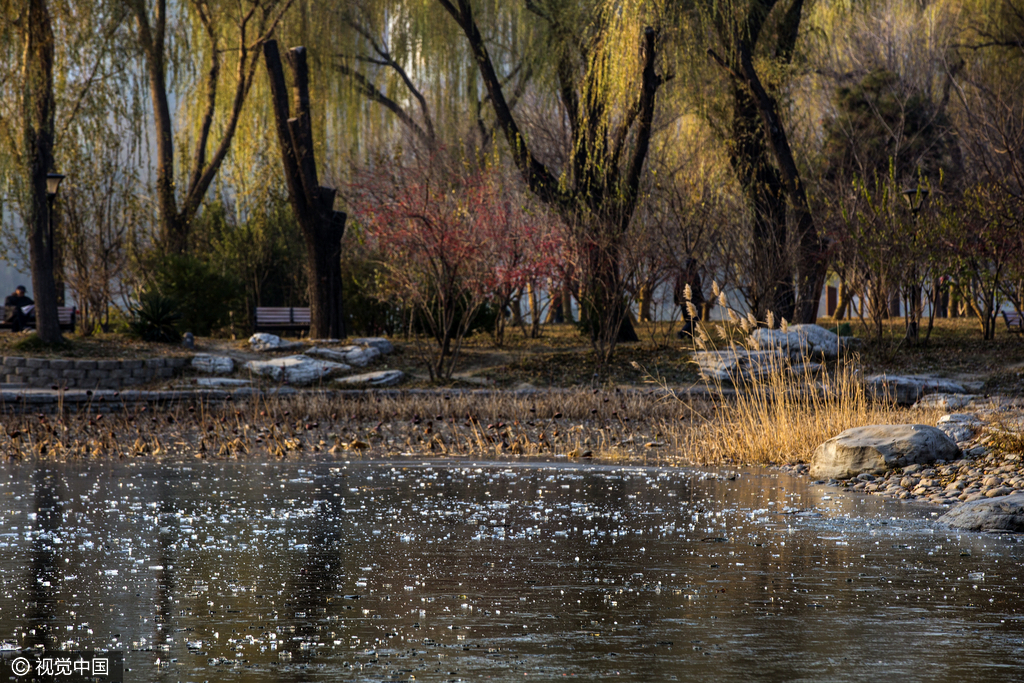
(740,39)
(313,205)
(38,115)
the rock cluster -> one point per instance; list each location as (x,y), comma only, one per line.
(315,364)
(984,485)
(964,480)
(801,342)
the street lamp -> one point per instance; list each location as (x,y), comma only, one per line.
(52,186)
(916,197)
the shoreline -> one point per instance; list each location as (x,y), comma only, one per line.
(622,426)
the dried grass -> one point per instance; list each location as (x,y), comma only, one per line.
(777,418)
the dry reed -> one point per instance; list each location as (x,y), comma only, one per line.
(776,416)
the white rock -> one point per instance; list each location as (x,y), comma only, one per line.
(801,342)
(908,389)
(738,363)
(876,448)
(214,365)
(961,427)
(297,370)
(383,378)
(361,356)
(262,341)
(221,382)
(944,401)
(379,343)
(329,354)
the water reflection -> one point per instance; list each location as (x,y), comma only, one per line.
(395,571)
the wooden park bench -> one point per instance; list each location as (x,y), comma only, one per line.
(1013,321)
(66,318)
(281,319)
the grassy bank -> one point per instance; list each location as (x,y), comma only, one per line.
(634,409)
(775,420)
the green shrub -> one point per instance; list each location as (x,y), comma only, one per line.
(204,297)
(155,319)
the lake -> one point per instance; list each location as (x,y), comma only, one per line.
(457,570)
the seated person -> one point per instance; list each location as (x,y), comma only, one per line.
(19,309)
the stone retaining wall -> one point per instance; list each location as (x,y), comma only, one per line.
(64,373)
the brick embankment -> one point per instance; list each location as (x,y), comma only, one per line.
(65,373)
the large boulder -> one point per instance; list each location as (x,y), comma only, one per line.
(733,364)
(297,370)
(263,341)
(379,343)
(877,448)
(214,365)
(1002,513)
(801,342)
(383,378)
(906,390)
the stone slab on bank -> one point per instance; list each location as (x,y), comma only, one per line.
(1001,513)
(877,448)
(906,390)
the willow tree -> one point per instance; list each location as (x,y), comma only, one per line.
(38,105)
(753,44)
(234,32)
(603,61)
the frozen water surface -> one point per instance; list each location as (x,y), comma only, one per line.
(370,571)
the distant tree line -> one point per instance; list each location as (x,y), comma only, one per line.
(495,158)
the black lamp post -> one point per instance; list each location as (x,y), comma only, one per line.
(916,197)
(52,186)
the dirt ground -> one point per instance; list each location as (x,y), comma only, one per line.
(563,357)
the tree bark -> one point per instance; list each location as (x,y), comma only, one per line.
(38,129)
(313,205)
(812,251)
(767,200)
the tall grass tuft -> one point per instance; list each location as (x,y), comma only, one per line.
(781,410)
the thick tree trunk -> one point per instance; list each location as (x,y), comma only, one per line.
(313,205)
(812,253)
(38,116)
(771,284)
(323,248)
